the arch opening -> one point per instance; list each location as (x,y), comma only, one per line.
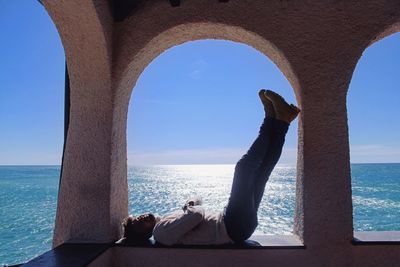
(195,110)
(373,132)
(140,57)
(32,133)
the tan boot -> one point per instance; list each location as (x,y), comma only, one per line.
(268,106)
(283,111)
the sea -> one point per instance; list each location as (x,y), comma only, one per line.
(28,198)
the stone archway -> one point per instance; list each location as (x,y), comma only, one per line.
(167,39)
(179,35)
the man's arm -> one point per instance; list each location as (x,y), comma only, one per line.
(172,227)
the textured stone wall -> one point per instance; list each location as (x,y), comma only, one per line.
(316,44)
(363,256)
(83,210)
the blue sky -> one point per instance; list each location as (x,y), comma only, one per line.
(195,103)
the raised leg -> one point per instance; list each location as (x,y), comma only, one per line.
(254,168)
(241,211)
(277,140)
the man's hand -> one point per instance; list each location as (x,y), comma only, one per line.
(193,201)
(188,204)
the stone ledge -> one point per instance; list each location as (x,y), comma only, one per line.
(377,238)
(81,254)
(70,254)
(255,242)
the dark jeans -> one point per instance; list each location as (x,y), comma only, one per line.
(251,175)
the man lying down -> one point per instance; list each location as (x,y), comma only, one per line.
(190,226)
(193,225)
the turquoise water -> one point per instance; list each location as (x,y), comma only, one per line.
(28,196)
(376,197)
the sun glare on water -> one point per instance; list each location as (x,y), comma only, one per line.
(165,188)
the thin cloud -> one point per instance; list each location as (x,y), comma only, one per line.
(197,69)
(199,156)
(374,154)
(289,156)
(29,158)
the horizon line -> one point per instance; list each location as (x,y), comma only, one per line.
(188,164)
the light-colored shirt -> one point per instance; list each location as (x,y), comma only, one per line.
(193,226)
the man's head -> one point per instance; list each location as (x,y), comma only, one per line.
(139,228)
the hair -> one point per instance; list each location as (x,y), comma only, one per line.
(134,232)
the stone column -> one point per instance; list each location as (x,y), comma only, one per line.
(324,199)
(84,211)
